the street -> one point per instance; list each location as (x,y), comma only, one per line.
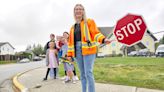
(9,70)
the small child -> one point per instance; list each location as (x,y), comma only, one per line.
(68,62)
(51,59)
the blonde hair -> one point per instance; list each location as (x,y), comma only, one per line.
(84,15)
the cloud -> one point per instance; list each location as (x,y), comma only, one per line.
(24,22)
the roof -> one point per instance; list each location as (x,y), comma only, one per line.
(106,30)
(140,45)
(3,43)
(155,39)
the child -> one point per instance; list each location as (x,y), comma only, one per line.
(66,36)
(68,63)
(51,59)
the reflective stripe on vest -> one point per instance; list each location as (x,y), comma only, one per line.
(86,32)
(97,36)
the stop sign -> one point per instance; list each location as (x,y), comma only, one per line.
(130,29)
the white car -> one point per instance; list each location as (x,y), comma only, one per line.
(24,60)
(36,58)
(144,52)
(160,51)
(133,53)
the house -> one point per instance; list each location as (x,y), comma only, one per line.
(6,48)
(116,48)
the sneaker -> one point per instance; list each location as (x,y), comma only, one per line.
(44,79)
(76,78)
(66,81)
(73,81)
(57,77)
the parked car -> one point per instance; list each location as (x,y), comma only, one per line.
(36,58)
(24,60)
(144,52)
(133,53)
(160,51)
(100,55)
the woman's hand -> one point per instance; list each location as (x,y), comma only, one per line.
(69,58)
(107,41)
(72,62)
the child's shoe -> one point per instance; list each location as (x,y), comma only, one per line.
(44,79)
(67,79)
(73,81)
(76,78)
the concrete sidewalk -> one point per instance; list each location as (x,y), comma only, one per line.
(32,80)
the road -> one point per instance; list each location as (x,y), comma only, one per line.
(9,70)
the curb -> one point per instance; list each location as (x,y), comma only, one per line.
(17,86)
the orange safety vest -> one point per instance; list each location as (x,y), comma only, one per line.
(89,32)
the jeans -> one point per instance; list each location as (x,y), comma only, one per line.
(85,65)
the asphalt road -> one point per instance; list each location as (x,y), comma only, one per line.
(9,70)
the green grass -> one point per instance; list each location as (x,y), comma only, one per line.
(130,60)
(133,71)
(7,62)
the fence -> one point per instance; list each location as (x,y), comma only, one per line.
(11,57)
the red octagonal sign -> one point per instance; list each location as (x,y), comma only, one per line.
(130,29)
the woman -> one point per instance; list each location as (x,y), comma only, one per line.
(82,44)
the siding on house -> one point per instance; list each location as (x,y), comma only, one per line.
(149,42)
(6,48)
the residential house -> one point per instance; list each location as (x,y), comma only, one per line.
(115,48)
(6,48)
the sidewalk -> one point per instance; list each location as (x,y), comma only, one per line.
(32,80)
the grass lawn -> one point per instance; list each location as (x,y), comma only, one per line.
(7,62)
(132,71)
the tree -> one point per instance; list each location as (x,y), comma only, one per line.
(156,45)
(161,41)
(37,50)
(28,47)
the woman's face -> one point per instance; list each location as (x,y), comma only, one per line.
(65,35)
(79,11)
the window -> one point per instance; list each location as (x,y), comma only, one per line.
(113,44)
(147,43)
(113,52)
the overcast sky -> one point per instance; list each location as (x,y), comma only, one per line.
(25,22)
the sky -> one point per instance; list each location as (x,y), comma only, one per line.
(27,22)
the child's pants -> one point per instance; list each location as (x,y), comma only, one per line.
(48,70)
